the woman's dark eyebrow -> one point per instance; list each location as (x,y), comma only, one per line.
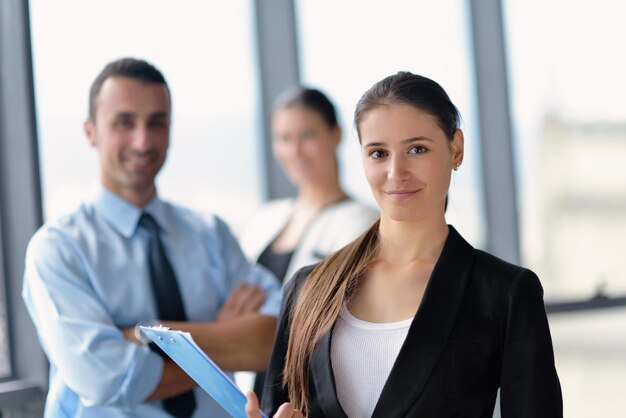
(404,141)
(374,144)
(416,139)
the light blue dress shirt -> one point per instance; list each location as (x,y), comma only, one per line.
(87,276)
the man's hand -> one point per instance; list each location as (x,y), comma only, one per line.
(129,335)
(245,299)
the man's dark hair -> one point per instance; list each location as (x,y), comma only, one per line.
(124,67)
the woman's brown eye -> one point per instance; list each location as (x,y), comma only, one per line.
(417,150)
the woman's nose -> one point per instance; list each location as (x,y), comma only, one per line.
(398,169)
(296,147)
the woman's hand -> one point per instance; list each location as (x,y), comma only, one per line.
(286,410)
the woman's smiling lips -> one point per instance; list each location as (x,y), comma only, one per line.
(401,194)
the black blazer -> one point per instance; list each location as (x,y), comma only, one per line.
(481,326)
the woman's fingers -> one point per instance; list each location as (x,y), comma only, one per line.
(252,406)
(287,410)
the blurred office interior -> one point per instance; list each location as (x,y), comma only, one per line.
(540,86)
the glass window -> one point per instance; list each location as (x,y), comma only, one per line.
(589,353)
(5,359)
(567,92)
(344,52)
(206,53)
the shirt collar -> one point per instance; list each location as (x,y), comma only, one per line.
(123,216)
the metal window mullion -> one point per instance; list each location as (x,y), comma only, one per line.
(498,176)
(20,196)
(277,57)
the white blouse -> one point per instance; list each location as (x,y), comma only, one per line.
(362,355)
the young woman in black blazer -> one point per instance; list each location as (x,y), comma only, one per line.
(467,322)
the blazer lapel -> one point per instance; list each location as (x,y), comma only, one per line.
(430,329)
(323,379)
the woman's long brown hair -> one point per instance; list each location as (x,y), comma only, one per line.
(317,307)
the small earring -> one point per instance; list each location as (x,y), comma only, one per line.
(456,167)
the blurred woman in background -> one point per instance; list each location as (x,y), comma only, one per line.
(287,234)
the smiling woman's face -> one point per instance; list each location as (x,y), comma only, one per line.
(408,161)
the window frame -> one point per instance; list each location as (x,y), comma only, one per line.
(20,202)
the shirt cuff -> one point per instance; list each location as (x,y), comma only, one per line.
(143,378)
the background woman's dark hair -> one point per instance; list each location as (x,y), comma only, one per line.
(414,90)
(309,98)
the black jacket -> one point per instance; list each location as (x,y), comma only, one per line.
(481,326)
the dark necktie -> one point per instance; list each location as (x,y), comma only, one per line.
(169,305)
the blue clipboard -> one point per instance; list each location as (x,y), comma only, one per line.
(181,348)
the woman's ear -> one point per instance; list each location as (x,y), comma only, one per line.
(458,142)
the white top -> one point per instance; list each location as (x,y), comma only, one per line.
(362,355)
(333,227)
